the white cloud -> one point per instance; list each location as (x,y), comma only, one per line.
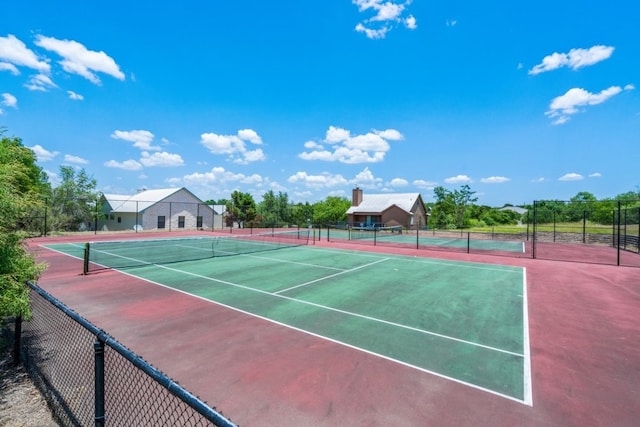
(324,180)
(595,175)
(75,96)
(77,59)
(398,182)
(421,183)
(250,135)
(385,13)
(458,179)
(366,179)
(339,145)
(630,87)
(371,33)
(218,177)
(162,159)
(575,59)
(130,165)
(235,146)
(75,159)
(335,134)
(41,83)
(43,154)
(141,139)
(5,66)
(391,134)
(251,156)
(451,23)
(537,180)
(410,22)
(571,177)
(9,100)
(494,180)
(14,52)
(568,104)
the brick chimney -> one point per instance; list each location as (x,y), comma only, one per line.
(356,196)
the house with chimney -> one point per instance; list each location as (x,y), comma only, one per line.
(387,210)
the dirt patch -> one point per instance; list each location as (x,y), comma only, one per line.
(21,404)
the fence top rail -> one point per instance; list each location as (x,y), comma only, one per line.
(174,388)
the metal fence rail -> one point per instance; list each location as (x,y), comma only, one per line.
(88,378)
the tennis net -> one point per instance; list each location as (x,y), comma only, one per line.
(135,253)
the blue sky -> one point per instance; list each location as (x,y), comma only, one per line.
(521,101)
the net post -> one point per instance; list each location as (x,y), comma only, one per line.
(85,264)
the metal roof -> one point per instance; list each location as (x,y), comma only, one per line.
(381,202)
(140,201)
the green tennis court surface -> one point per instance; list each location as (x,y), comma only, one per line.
(463,321)
(409,238)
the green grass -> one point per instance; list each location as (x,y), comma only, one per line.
(564,227)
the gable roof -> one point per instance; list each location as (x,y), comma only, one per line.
(140,201)
(382,202)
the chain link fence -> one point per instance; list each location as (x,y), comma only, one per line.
(602,232)
(88,378)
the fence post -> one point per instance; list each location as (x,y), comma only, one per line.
(619,207)
(584,226)
(98,348)
(46,202)
(468,242)
(535,225)
(17,340)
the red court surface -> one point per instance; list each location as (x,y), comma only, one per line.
(584,322)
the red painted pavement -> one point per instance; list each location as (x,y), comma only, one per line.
(584,329)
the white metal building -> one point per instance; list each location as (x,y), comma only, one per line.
(162,209)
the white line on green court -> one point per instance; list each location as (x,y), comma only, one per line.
(527,361)
(295,328)
(386,322)
(430,261)
(351,270)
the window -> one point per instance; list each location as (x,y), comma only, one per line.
(119,220)
(199,221)
(161,221)
(180,222)
(111,217)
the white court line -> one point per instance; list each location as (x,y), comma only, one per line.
(324,307)
(528,399)
(332,275)
(345,344)
(528,381)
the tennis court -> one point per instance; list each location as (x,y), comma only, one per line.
(396,235)
(463,321)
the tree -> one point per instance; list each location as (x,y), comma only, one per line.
(579,205)
(275,209)
(22,184)
(451,206)
(74,200)
(240,209)
(302,214)
(330,210)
